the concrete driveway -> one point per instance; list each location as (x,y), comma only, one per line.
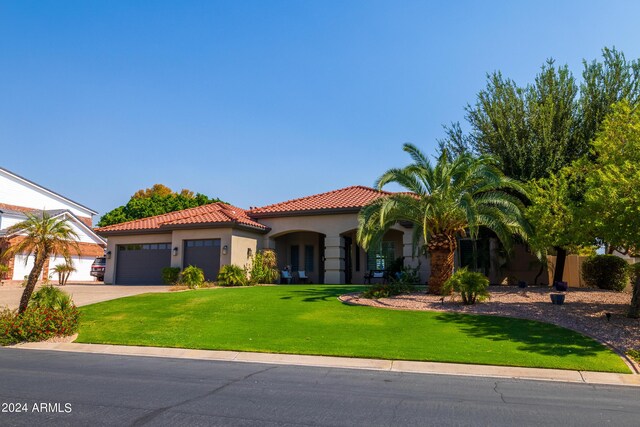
(82,294)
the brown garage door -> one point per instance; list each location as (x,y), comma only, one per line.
(142,264)
(204,254)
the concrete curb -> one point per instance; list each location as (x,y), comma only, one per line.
(584,377)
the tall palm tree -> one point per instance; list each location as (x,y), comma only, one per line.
(450,199)
(42,236)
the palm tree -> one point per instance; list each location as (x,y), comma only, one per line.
(42,236)
(446,201)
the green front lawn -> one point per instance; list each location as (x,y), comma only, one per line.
(310,320)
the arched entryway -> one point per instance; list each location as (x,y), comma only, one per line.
(301,251)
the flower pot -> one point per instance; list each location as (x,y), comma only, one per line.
(561,286)
(557,299)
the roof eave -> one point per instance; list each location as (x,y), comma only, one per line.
(306,212)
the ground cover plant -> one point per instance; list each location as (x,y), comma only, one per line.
(310,320)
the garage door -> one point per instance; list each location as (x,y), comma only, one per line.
(142,264)
(204,254)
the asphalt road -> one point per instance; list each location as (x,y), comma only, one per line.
(59,388)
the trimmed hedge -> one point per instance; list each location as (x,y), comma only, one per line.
(606,272)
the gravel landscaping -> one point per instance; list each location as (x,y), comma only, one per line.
(584,310)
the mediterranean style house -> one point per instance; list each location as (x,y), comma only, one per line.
(315,234)
(18,196)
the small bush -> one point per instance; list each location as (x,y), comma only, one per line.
(192,276)
(52,298)
(606,272)
(264,268)
(170,275)
(4,269)
(232,275)
(471,286)
(37,324)
(408,275)
(386,290)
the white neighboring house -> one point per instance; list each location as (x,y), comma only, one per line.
(19,196)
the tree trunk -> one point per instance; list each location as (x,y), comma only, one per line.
(561,256)
(634,308)
(31,282)
(441,249)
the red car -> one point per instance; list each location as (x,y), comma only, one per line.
(98,266)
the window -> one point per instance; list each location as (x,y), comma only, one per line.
(295,258)
(308,258)
(381,257)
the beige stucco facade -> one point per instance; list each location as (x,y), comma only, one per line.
(331,236)
(235,245)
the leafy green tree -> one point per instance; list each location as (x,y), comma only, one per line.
(529,130)
(612,196)
(556,214)
(445,201)
(537,130)
(605,83)
(42,236)
(156,200)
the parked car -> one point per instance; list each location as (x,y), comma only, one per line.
(98,266)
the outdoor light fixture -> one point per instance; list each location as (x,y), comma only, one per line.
(175,251)
(225,249)
(249,253)
(108,254)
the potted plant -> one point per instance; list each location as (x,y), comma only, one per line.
(561,286)
(557,299)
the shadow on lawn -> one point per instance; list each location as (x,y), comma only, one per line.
(535,337)
(323,293)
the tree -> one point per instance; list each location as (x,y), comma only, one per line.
(537,130)
(603,85)
(529,130)
(157,200)
(612,196)
(64,271)
(555,213)
(445,201)
(42,236)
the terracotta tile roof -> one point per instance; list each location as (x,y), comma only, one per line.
(214,213)
(349,198)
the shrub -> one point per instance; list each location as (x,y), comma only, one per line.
(606,272)
(64,271)
(471,286)
(232,275)
(4,269)
(264,267)
(385,290)
(37,324)
(52,298)
(408,275)
(170,275)
(192,276)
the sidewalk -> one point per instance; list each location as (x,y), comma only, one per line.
(585,377)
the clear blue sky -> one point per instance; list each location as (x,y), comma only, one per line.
(257,102)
